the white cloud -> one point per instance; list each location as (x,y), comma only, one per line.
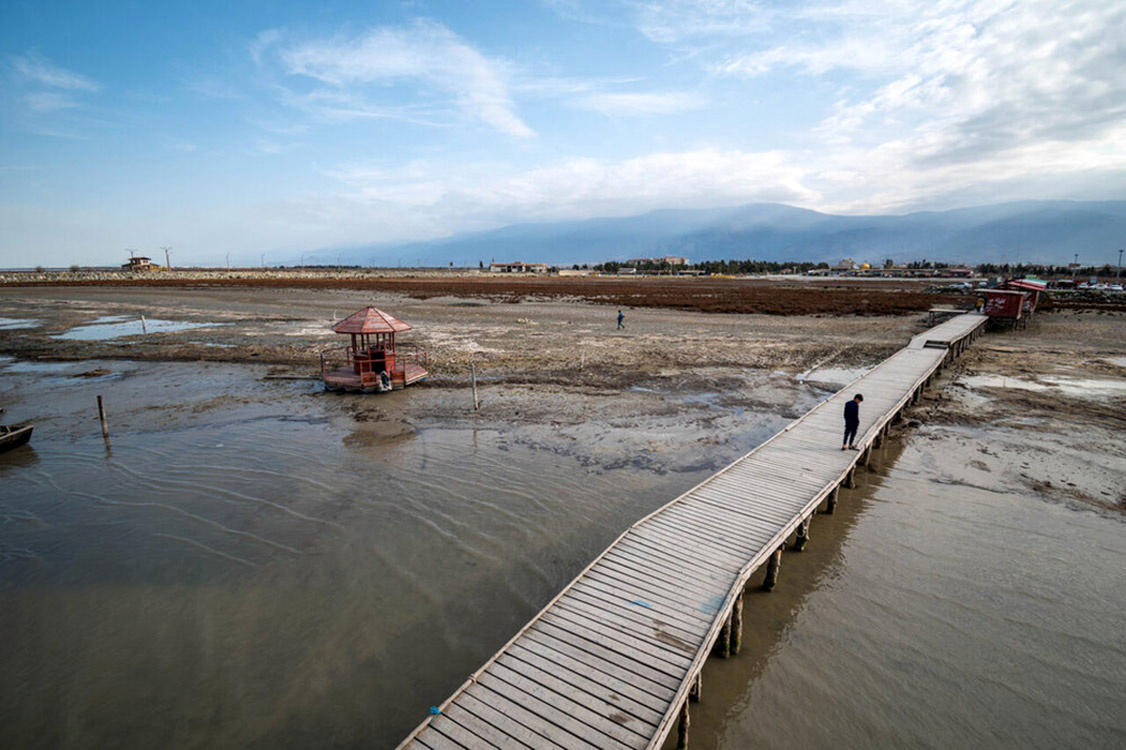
(674,21)
(43,102)
(653,103)
(33,69)
(357,72)
(443,198)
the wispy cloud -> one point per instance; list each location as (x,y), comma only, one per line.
(356,73)
(43,102)
(651,103)
(34,69)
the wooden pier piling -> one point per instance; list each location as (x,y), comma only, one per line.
(802,537)
(773,566)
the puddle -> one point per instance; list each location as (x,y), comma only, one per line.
(11,324)
(36,368)
(116,326)
(212,343)
(1078,387)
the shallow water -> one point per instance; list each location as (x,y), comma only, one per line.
(8,324)
(115,326)
(256,564)
(931,614)
(241,570)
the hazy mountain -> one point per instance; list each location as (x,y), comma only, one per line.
(1029,231)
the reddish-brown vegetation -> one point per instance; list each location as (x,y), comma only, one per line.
(770,297)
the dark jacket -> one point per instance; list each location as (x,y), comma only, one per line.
(852,413)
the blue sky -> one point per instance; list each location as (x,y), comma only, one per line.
(272,129)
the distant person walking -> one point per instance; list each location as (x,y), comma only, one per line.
(852,422)
(621,317)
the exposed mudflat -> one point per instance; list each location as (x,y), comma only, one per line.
(257,562)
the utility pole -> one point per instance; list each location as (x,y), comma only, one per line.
(228,261)
(1119,263)
(167,258)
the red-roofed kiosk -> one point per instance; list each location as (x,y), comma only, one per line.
(361,365)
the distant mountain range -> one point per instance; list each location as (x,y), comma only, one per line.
(1028,231)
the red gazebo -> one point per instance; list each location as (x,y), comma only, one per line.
(361,365)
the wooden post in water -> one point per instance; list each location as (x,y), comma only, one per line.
(773,565)
(144,328)
(697,688)
(722,647)
(682,728)
(803,535)
(831,502)
(473,371)
(850,479)
(737,624)
(102,417)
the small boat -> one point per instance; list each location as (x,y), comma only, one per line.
(14,436)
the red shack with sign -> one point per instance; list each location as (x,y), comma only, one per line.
(1005,304)
(373,361)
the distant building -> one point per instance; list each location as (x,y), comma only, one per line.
(138,263)
(672,260)
(845,265)
(518,267)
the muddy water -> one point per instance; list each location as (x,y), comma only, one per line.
(259,566)
(931,613)
(266,570)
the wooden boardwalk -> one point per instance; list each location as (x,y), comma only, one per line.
(614,658)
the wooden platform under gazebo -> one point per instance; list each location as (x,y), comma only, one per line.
(373,361)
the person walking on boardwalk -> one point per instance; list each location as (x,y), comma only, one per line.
(852,422)
(621,317)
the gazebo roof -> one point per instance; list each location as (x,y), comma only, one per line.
(370,320)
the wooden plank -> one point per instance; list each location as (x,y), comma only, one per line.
(729,541)
(455,734)
(509,702)
(624,644)
(504,723)
(647,605)
(479,726)
(645,611)
(583,733)
(672,651)
(720,558)
(614,687)
(667,579)
(556,650)
(575,704)
(634,553)
(436,739)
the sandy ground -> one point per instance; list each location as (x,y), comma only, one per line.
(1043,409)
(1040,408)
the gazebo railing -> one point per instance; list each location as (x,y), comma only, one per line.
(344,357)
(407,352)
